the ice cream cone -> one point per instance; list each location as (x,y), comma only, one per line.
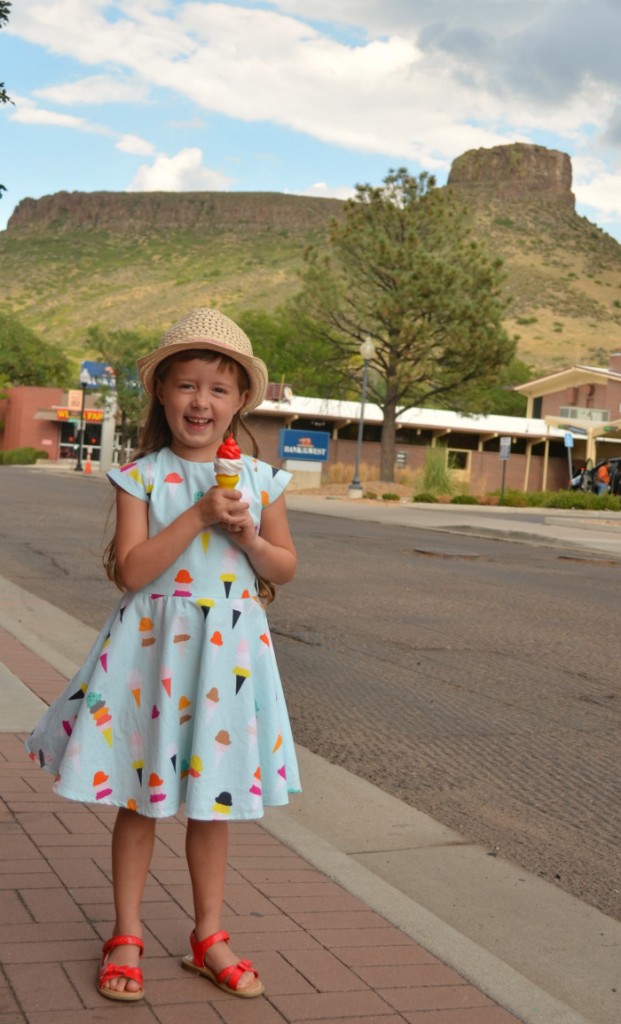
(228,463)
(222,806)
(222,743)
(101,716)
(227,481)
(241,674)
(213,699)
(99,783)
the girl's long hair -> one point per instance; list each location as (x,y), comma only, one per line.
(155,434)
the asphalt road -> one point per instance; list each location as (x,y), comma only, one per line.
(475,679)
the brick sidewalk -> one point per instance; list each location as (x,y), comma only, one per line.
(324,956)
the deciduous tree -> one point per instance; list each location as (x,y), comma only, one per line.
(500,399)
(292,354)
(25,359)
(120,350)
(401,267)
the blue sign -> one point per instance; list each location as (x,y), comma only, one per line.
(569,439)
(100,375)
(304,445)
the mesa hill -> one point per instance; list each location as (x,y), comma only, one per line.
(122,213)
(563,272)
(139,259)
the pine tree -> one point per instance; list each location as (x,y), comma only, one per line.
(400,267)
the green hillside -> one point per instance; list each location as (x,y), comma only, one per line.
(142,259)
(135,261)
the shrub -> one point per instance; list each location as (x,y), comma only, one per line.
(515,499)
(436,475)
(21,456)
(582,499)
(370,494)
(389,496)
(464,499)
(424,496)
(562,499)
(535,499)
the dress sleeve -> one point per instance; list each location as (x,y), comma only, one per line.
(278,480)
(135,478)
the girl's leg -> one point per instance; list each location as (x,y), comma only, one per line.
(206,847)
(132,849)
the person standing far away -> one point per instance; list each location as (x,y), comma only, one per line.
(179,701)
(602,478)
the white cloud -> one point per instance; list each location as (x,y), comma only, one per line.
(598,187)
(380,96)
(27,112)
(420,80)
(325,191)
(94,89)
(183,172)
(135,146)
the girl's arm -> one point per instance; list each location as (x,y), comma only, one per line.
(140,558)
(270,552)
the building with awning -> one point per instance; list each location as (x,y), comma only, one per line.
(583,400)
(538,458)
(49,419)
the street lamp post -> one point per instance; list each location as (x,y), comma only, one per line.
(85,378)
(367,351)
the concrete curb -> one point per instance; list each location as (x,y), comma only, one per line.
(496,979)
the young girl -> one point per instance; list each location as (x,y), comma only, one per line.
(180,701)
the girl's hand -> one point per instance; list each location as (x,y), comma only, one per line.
(223,507)
(270,551)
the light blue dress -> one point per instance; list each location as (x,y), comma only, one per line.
(179,700)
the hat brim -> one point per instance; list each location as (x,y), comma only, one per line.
(254,367)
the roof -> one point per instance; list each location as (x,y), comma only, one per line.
(570,377)
(426,419)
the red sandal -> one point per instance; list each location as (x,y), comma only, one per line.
(227,979)
(109,971)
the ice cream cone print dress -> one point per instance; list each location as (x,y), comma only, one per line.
(179,700)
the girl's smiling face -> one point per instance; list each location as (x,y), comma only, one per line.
(200,399)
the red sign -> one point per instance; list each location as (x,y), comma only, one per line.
(90,415)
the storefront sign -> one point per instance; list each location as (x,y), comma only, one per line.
(90,415)
(305,445)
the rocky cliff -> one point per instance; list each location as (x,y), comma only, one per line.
(506,174)
(513,173)
(143,212)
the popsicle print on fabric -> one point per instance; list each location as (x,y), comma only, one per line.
(179,668)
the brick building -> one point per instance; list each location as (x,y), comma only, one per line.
(48,419)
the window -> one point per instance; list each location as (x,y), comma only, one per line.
(458,459)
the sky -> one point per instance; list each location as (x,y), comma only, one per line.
(309,97)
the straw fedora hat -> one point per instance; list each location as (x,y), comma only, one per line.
(208,329)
